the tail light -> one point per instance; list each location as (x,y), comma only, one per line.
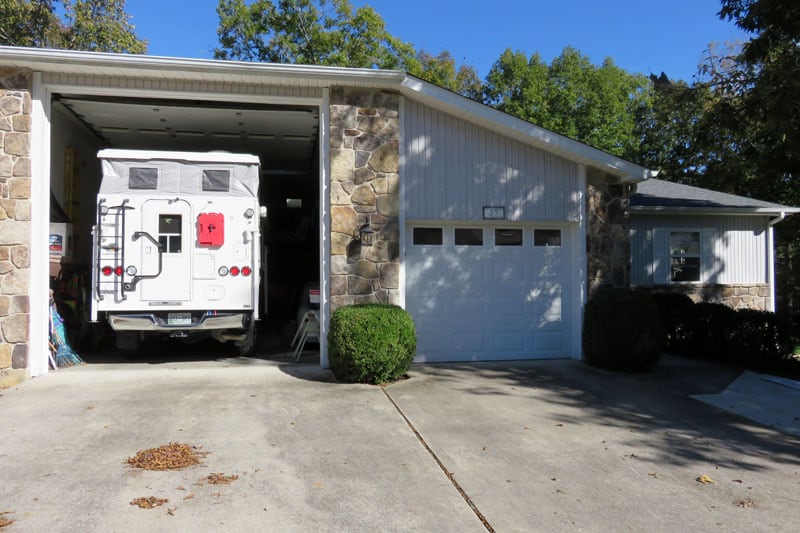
(108,270)
(234,271)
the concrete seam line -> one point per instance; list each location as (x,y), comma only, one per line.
(447,473)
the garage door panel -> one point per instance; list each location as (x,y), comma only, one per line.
(508,273)
(548,342)
(509,306)
(547,306)
(431,307)
(479,303)
(470,307)
(468,342)
(509,341)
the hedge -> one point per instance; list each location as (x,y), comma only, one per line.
(371,343)
(622,330)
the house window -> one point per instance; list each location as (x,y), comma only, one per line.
(547,237)
(169,233)
(469,237)
(508,237)
(684,256)
(429,236)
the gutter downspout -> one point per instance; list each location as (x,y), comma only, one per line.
(771,258)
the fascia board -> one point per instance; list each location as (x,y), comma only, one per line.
(743,211)
(77,61)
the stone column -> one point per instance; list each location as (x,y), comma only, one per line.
(15,230)
(608,245)
(364,188)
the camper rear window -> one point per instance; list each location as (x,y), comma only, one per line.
(169,233)
(216,180)
(143,178)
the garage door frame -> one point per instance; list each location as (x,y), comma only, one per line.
(41,96)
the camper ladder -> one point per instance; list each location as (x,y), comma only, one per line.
(110,246)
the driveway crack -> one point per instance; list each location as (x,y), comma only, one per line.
(439,462)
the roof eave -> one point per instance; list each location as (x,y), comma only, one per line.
(324,76)
(723,210)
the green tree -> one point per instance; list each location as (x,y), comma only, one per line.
(319,32)
(102,26)
(764,84)
(97,25)
(31,23)
(441,69)
(597,105)
(329,32)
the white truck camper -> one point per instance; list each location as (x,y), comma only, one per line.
(177,246)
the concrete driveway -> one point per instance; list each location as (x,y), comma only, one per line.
(540,446)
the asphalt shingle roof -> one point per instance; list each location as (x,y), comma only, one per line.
(665,194)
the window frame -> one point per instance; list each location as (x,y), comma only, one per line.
(170,236)
(698,255)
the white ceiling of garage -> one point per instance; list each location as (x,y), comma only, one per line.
(283,137)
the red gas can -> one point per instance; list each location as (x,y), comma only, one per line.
(211,229)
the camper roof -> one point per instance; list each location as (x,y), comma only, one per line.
(189,157)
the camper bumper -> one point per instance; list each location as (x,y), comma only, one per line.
(177,321)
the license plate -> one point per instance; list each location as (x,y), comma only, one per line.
(179,319)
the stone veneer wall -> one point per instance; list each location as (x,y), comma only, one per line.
(15,211)
(608,245)
(364,189)
(741,296)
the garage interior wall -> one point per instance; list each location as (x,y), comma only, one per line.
(73,150)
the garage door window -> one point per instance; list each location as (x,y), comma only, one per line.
(508,237)
(547,237)
(428,236)
(469,237)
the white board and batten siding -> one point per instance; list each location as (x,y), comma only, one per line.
(733,248)
(488,301)
(452,168)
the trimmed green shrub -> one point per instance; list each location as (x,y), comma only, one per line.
(674,309)
(371,343)
(622,330)
(708,327)
(759,339)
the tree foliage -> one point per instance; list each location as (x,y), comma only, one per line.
(328,32)
(96,25)
(597,105)
(737,128)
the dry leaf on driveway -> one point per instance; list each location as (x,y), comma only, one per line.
(149,502)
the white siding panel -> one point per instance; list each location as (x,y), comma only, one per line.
(452,168)
(736,253)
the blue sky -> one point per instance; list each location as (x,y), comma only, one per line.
(640,35)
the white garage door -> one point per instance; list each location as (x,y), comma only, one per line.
(482,294)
